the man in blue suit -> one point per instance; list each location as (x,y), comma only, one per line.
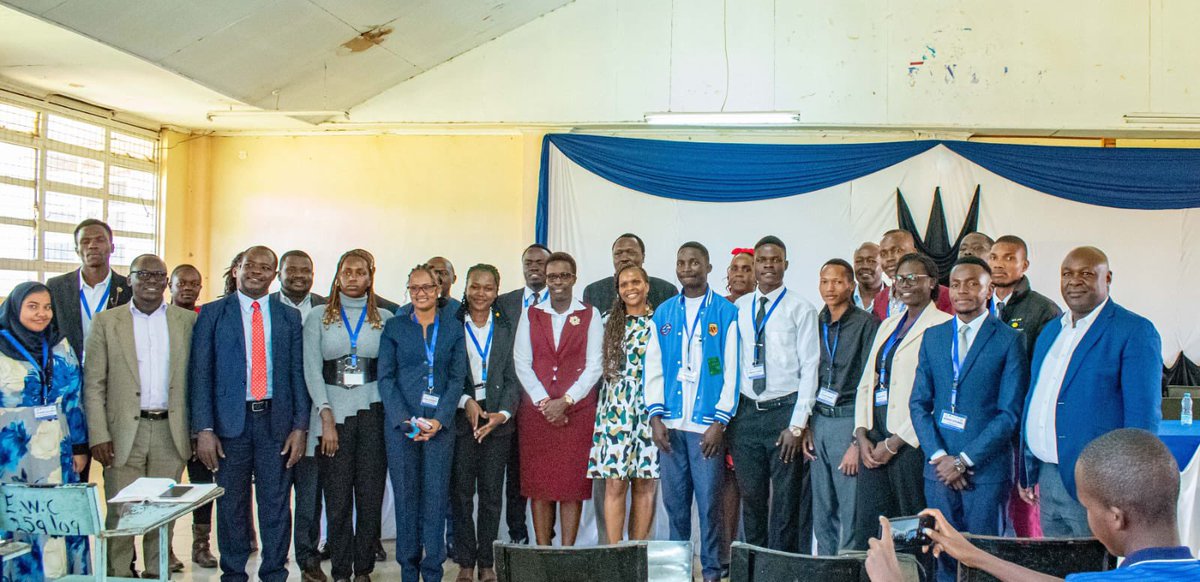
(971,378)
(250,410)
(1096,369)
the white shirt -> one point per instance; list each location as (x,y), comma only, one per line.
(248,328)
(1041,428)
(894,305)
(861,301)
(527,298)
(971,331)
(523,353)
(96,301)
(152,339)
(305,306)
(792,350)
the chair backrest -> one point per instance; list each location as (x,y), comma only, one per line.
(749,563)
(519,563)
(1179,391)
(1172,407)
(50,509)
(1055,557)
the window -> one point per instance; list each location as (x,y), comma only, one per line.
(58,168)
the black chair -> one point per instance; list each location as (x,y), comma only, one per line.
(521,563)
(749,563)
(1055,557)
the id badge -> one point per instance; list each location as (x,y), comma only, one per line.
(687,376)
(480,392)
(756,371)
(952,421)
(827,396)
(881,397)
(351,374)
(48,412)
(429,400)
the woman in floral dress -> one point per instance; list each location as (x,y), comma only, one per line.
(41,421)
(623,451)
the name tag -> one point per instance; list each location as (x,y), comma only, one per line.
(480,393)
(353,378)
(952,421)
(687,376)
(756,371)
(881,397)
(430,400)
(48,412)
(827,396)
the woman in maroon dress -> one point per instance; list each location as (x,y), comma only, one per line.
(557,353)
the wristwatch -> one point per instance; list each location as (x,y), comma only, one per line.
(797,431)
(959,466)
(570,401)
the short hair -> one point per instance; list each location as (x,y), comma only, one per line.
(143,256)
(184,267)
(1013,239)
(969,260)
(564,257)
(536,246)
(985,237)
(899,231)
(93,222)
(840,263)
(641,245)
(695,245)
(294,253)
(931,268)
(1131,469)
(770,239)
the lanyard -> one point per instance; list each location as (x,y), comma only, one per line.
(687,345)
(430,348)
(887,349)
(41,370)
(830,350)
(354,334)
(991,307)
(957,366)
(536,298)
(485,350)
(87,309)
(758,329)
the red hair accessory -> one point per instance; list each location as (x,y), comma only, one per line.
(742,251)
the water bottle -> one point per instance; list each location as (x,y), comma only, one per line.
(1185,416)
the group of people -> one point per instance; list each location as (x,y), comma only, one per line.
(975,399)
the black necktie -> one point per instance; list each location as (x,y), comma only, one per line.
(760,344)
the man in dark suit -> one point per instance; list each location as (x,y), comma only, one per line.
(626,250)
(250,410)
(295,291)
(966,401)
(1097,368)
(79,295)
(513,305)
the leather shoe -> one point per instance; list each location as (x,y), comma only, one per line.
(465,575)
(362,578)
(312,572)
(380,553)
(487,575)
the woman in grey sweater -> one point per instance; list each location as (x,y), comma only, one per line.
(341,344)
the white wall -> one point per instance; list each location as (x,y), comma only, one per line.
(1016,64)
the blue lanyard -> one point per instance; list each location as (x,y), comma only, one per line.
(687,346)
(991,307)
(887,349)
(354,334)
(957,363)
(430,348)
(830,350)
(758,330)
(485,350)
(41,370)
(87,309)
(536,298)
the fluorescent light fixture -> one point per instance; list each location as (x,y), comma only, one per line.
(1163,118)
(277,113)
(724,118)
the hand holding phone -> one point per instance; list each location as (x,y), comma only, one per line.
(909,532)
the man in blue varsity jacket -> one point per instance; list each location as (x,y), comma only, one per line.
(691,394)
(966,401)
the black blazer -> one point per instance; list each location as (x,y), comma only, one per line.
(316,300)
(503,388)
(64,298)
(512,305)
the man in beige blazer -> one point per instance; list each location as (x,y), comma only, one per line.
(135,396)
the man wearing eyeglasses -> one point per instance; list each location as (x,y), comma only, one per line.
(135,395)
(895,244)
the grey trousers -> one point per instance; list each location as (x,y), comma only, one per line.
(153,455)
(832,491)
(1062,515)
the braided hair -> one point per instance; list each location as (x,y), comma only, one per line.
(231,274)
(464,309)
(429,270)
(614,329)
(333,308)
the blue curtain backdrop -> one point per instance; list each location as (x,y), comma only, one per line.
(1131,178)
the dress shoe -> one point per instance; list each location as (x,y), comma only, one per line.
(465,575)
(487,575)
(380,553)
(311,572)
(362,578)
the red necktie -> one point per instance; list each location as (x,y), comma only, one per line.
(258,354)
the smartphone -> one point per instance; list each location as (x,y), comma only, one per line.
(909,532)
(176,491)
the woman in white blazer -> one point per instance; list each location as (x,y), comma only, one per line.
(890,480)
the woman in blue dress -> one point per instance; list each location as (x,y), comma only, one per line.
(41,421)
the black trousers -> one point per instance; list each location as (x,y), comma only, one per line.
(894,490)
(478,469)
(198,473)
(776,496)
(353,481)
(514,504)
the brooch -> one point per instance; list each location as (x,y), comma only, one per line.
(573,320)
(712,329)
(665,329)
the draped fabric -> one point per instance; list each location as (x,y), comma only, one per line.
(936,242)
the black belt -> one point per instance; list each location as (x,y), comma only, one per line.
(258,405)
(771,404)
(154,414)
(839,411)
(369,367)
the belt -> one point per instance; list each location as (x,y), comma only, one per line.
(154,414)
(771,404)
(369,367)
(839,411)
(258,405)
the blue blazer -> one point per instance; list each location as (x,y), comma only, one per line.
(217,370)
(402,368)
(1114,380)
(991,392)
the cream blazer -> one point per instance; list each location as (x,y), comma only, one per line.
(904,372)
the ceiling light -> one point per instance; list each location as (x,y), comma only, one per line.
(277,113)
(724,118)
(1163,118)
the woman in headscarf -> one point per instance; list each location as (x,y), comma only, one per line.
(41,421)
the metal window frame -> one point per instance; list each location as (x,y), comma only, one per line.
(43,145)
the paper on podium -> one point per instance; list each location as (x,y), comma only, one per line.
(161,490)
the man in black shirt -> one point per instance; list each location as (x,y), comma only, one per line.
(626,250)
(846,333)
(1015,303)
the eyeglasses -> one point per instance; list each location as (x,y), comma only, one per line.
(415,290)
(910,279)
(560,277)
(150,275)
